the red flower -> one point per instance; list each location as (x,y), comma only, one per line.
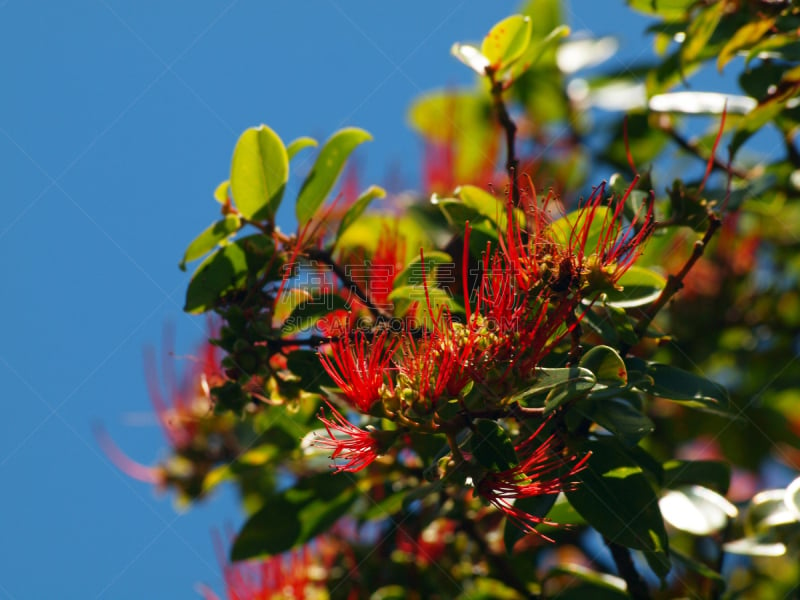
(293,575)
(358,447)
(543,469)
(360,368)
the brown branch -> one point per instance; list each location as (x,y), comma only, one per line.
(675,282)
(693,148)
(325,258)
(510,128)
(637,587)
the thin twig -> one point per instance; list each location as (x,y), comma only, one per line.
(637,587)
(325,258)
(675,282)
(693,148)
(512,164)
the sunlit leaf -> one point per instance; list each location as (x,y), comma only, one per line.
(507,41)
(696,103)
(639,285)
(259,172)
(753,547)
(326,171)
(746,36)
(358,207)
(606,364)
(576,54)
(696,509)
(299,144)
(700,30)
(208,239)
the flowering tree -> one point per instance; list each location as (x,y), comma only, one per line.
(499,389)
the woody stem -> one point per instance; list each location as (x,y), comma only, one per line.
(510,128)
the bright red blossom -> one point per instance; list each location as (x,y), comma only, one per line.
(360,367)
(543,469)
(357,447)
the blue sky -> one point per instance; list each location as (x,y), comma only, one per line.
(117,121)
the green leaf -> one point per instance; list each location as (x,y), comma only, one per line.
(358,207)
(746,36)
(666,9)
(492,447)
(589,584)
(792,498)
(554,380)
(640,286)
(700,30)
(619,417)
(299,144)
(386,508)
(614,496)
(213,235)
(326,171)
(259,172)
(309,310)
(405,297)
(681,386)
(222,191)
(710,473)
(562,229)
(226,270)
(412,274)
(507,41)
(696,510)
(607,366)
(294,517)
(691,564)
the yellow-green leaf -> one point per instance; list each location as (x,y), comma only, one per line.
(507,41)
(259,172)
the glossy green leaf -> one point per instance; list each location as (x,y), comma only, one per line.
(681,386)
(358,207)
(299,144)
(326,171)
(696,510)
(222,192)
(225,270)
(491,446)
(507,41)
(606,364)
(639,285)
(208,239)
(755,547)
(549,381)
(666,9)
(747,35)
(792,498)
(412,274)
(294,517)
(589,584)
(259,172)
(541,50)
(614,496)
(619,417)
(562,229)
(710,473)
(700,30)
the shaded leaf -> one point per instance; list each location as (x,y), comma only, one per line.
(548,380)
(614,496)
(358,207)
(639,285)
(492,447)
(710,473)
(606,364)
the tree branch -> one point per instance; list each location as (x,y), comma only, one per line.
(637,587)
(675,282)
(325,258)
(693,148)
(510,128)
